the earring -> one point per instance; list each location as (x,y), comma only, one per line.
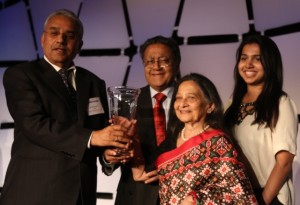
(211,109)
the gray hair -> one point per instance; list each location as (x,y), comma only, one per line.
(69,14)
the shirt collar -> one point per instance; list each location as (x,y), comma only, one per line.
(168,92)
(58,68)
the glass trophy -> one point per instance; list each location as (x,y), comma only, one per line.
(122,102)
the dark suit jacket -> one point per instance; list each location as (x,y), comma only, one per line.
(50,163)
(129,191)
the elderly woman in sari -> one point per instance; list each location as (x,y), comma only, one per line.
(198,163)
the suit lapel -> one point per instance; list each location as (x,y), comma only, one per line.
(146,102)
(145,111)
(82,88)
(53,79)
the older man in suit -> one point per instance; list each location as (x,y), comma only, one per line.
(60,126)
(161,58)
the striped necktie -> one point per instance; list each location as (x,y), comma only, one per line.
(64,75)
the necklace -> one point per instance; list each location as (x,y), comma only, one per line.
(247,104)
(245,110)
(198,133)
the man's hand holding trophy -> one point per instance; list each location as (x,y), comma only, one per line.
(123,102)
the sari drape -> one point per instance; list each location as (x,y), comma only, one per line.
(206,167)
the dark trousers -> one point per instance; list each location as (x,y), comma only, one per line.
(79,201)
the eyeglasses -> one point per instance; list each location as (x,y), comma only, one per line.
(162,62)
(53,33)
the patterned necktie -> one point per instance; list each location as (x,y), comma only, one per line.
(159,118)
(64,75)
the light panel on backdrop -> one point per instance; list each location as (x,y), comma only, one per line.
(270,14)
(5,150)
(289,46)
(5,116)
(202,18)
(104,25)
(5,134)
(151,18)
(136,76)
(16,41)
(110,68)
(215,61)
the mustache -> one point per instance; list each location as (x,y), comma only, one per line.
(59,47)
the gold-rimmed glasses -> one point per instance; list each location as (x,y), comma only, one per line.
(162,62)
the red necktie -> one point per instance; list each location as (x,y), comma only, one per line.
(159,118)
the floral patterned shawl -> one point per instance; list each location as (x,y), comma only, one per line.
(206,167)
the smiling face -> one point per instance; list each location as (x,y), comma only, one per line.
(250,66)
(159,67)
(190,105)
(60,41)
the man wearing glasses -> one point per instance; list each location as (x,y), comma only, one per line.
(161,58)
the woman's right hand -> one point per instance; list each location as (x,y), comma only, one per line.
(152,176)
(140,175)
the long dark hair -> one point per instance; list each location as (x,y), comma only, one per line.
(214,119)
(267,103)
